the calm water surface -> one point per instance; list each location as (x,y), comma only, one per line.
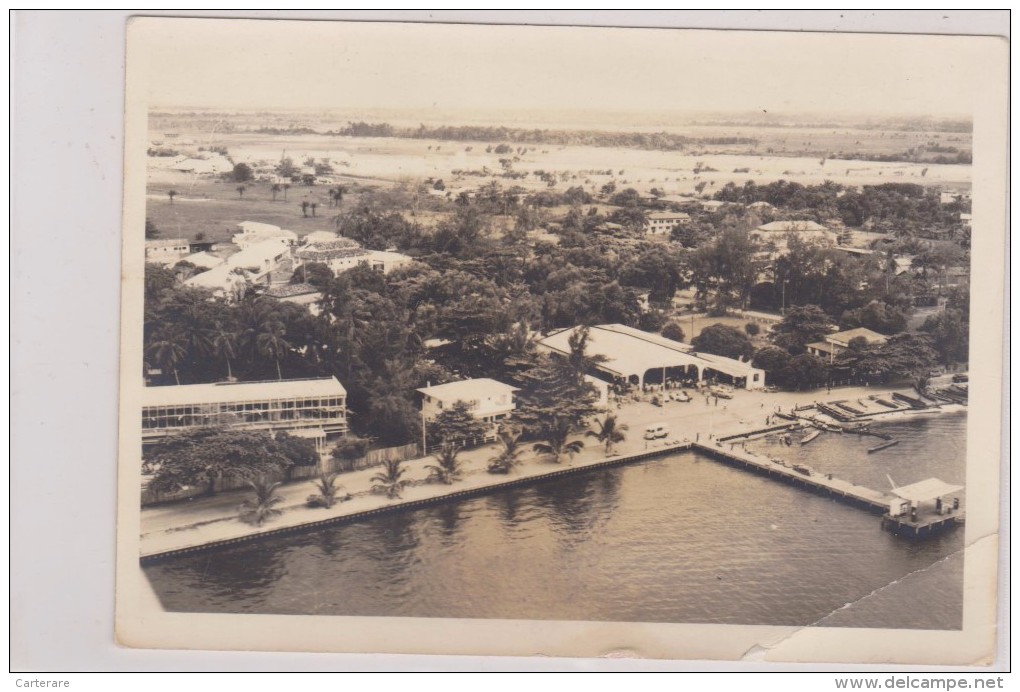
(678,539)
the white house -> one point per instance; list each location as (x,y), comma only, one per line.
(488,400)
(255,263)
(166,250)
(778,233)
(663,222)
(834,344)
(341,254)
(253,232)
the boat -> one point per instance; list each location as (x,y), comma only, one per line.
(810,436)
(799,468)
(882,446)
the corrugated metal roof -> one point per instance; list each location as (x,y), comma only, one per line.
(226,392)
(467,390)
(925,490)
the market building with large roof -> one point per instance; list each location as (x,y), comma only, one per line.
(639,358)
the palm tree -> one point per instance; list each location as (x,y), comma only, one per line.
(328,488)
(285,186)
(271,343)
(168,350)
(240,191)
(556,439)
(224,345)
(609,433)
(313,205)
(448,469)
(510,454)
(389,480)
(171,194)
(304,209)
(275,188)
(263,505)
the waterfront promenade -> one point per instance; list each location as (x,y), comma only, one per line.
(188,525)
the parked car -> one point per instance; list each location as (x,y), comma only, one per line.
(961,378)
(655,432)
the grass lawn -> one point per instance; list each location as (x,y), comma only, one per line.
(215,208)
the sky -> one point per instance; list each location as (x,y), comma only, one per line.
(445,67)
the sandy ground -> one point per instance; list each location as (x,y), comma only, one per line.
(204,520)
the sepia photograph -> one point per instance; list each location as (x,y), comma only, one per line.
(565,341)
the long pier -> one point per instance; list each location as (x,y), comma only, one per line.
(801,476)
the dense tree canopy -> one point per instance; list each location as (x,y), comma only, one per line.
(205,455)
(723,340)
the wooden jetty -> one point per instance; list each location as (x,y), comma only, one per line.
(902,509)
(804,477)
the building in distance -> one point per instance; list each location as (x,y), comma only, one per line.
(166,250)
(663,222)
(834,344)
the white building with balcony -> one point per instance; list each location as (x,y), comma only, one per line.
(488,400)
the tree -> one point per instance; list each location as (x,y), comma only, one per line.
(673,330)
(168,349)
(448,467)
(205,455)
(275,189)
(349,450)
(878,316)
(456,425)
(171,194)
(773,360)
(390,480)
(801,325)
(224,345)
(242,173)
(727,265)
(313,206)
(304,209)
(723,341)
(610,432)
(752,329)
(151,232)
(263,506)
(555,436)
(328,488)
(803,372)
(905,356)
(510,451)
(950,334)
(240,191)
(298,451)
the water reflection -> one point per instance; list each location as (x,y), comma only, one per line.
(679,539)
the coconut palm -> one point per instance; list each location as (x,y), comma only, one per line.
(448,468)
(271,344)
(328,488)
(168,350)
(390,480)
(262,506)
(609,433)
(224,345)
(171,194)
(510,453)
(556,440)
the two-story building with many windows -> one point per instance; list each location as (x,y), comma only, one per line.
(315,408)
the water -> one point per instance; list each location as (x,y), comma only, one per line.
(682,539)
